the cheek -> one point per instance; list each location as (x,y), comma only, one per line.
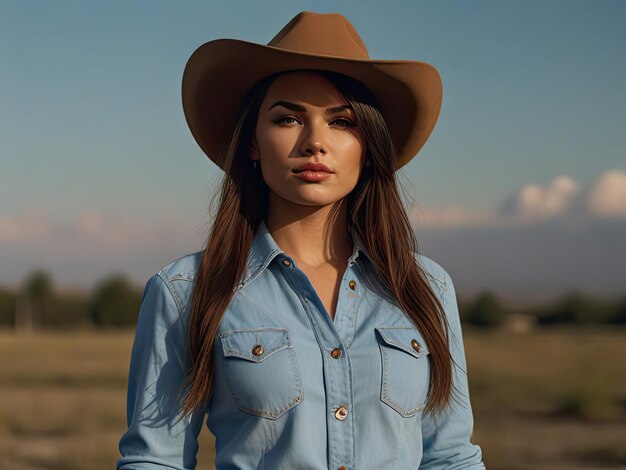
(350,148)
(278,142)
(349,143)
(354,158)
(275,149)
(350,178)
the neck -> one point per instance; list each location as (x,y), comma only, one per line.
(312,235)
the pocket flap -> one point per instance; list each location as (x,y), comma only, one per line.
(254,344)
(407,338)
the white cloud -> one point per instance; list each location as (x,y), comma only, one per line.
(81,250)
(534,203)
(448,217)
(27,227)
(607,196)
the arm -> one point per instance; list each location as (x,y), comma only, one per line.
(158,436)
(446,436)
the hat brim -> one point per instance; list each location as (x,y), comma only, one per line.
(219,73)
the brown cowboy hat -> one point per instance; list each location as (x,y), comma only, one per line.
(220,72)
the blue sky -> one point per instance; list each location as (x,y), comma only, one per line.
(520,188)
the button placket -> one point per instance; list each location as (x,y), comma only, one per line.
(333,337)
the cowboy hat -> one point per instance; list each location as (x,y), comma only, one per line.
(219,73)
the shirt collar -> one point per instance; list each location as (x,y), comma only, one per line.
(264,249)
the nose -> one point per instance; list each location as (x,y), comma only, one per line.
(313,140)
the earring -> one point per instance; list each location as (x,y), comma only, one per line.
(253,163)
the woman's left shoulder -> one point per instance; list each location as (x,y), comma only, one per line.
(437,275)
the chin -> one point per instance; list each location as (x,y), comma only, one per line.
(317,201)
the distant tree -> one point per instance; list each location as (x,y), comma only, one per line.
(618,315)
(485,311)
(38,292)
(115,302)
(38,285)
(70,310)
(7,308)
(575,307)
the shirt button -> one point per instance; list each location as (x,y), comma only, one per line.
(415,344)
(286,262)
(257,350)
(341,413)
(336,353)
(352,284)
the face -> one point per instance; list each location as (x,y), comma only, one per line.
(302,120)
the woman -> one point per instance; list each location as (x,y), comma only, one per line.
(309,329)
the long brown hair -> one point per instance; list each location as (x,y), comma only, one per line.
(375,213)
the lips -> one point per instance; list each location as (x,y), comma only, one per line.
(313,167)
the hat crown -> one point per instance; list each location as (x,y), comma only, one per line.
(328,34)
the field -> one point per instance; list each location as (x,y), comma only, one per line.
(550,399)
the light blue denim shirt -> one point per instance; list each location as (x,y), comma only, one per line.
(293,388)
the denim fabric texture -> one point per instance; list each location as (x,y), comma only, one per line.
(293,388)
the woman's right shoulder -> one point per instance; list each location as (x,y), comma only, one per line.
(178,277)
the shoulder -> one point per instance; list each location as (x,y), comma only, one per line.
(441,281)
(181,269)
(436,274)
(178,277)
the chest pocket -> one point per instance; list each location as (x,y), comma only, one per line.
(261,370)
(405,369)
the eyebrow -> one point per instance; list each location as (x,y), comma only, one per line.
(297,107)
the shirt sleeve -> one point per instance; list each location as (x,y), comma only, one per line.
(158,435)
(446,436)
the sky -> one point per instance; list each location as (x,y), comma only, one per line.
(520,189)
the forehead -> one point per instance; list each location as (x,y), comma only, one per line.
(309,88)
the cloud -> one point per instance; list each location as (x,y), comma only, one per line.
(541,241)
(82,250)
(534,203)
(607,196)
(449,217)
(563,199)
(89,229)
(27,227)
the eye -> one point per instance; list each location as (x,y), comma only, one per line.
(284,119)
(346,122)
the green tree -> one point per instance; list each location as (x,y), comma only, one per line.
(115,302)
(576,308)
(7,307)
(485,311)
(38,293)
(618,315)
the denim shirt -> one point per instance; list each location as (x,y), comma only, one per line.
(293,388)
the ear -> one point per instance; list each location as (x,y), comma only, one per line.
(253,150)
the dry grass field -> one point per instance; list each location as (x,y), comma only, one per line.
(550,399)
